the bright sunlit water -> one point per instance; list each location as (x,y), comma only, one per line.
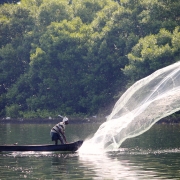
(152,155)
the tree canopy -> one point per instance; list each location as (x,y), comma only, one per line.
(74,56)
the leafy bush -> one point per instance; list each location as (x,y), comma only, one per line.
(13,111)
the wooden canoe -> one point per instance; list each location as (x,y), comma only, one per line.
(71,147)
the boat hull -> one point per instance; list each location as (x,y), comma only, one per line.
(72,147)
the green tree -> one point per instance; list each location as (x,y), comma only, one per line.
(159,14)
(151,53)
(55,68)
(87,9)
(16,23)
(15,30)
(54,11)
(13,111)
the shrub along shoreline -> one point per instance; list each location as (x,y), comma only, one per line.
(72,120)
(75,120)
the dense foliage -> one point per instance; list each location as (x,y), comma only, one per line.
(74,56)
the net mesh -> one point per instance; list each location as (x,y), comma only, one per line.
(142,105)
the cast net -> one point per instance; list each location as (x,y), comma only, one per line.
(142,105)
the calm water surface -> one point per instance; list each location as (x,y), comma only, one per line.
(153,155)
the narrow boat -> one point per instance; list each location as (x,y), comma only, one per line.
(70,147)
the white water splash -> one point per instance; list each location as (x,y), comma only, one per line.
(142,105)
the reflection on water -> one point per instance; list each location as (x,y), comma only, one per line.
(123,164)
(154,155)
(104,167)
(36,165)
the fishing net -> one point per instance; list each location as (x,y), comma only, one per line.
(142,105)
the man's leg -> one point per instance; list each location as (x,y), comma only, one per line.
(55,137)
(61,140)
(56,142)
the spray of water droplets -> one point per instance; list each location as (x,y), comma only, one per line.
(139,108)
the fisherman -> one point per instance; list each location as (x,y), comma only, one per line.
(58,131)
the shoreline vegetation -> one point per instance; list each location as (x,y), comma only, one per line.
(75,120)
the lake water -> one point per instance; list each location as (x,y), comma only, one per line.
(153,155)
